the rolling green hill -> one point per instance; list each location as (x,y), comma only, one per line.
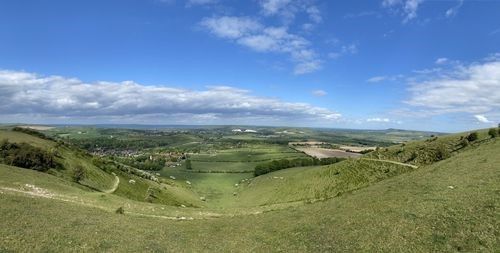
(449,204)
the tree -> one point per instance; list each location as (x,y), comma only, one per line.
(78,174)
(472,136)
(493,132)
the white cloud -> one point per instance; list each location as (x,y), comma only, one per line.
(288,9)
(407,8)
(376,79)
(482,118)
(319,93)
(349,49)
(441,60)
(272,7)
(252,34)
(231,27)
(473,89)
(379,120)
(25,94)
(451,12)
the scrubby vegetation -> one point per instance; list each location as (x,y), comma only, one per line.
(27,156)
(31,132)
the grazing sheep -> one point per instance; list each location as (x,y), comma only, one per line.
(203,199)
(172,177)
(187,182)
(131,181)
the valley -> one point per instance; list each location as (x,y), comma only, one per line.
(213,190)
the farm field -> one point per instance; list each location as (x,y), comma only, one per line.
(325,153)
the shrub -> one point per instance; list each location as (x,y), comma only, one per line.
(120,210)
(493,132)
(27,156)
(464,143)
(79,174)
(472,136)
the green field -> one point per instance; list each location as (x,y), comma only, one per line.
(366,205)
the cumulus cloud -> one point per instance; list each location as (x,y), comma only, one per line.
(482,118)
(24,93)
(407,8)
(252,34)
(473,88)
(319,93)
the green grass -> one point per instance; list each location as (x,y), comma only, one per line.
(224,166)
(69,158)
(217,188)
(426,151)
(416,211)
(316,183)
(248,155)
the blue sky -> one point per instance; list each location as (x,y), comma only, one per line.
(411,64)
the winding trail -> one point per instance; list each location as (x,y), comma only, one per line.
(393,162)
(115,185)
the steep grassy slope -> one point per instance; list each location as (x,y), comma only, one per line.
(70,159)
(452,205)
(103,179)
(316,183)
(430,150)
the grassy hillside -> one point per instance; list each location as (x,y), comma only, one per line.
(104,178)
(432,149)
(316,183)
(450,205)
(69,158)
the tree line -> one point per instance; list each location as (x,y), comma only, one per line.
(275,165)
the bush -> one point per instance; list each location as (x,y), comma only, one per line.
(493,132)
(79,174)
(464,143)
(472,136)
(27,156)
(120,210)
